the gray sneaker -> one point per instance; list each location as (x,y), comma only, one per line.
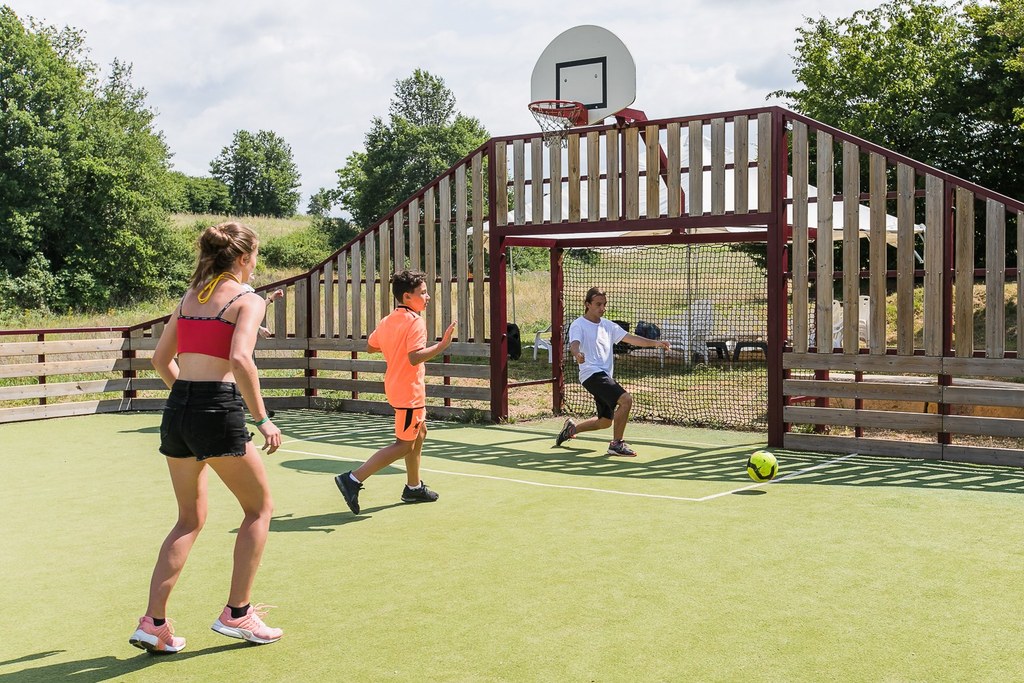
(620,448)
(420,494)
(568,432)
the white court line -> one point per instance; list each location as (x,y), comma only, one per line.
(587,488)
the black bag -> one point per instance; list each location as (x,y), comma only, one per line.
(515,342)
(648,330)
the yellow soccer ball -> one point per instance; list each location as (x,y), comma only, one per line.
(762,466)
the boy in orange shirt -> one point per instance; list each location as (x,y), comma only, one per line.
(402,337)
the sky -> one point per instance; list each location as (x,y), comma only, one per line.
(316,73)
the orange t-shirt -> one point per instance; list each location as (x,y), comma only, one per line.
(396,335)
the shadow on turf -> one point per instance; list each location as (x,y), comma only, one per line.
(524,449)
(103,668)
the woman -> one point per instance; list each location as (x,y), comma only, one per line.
(213,333)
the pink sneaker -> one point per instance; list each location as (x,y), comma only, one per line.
(248,627)
(153,638)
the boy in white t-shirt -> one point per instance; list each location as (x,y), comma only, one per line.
(591,339)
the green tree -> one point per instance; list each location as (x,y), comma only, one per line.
(199,195)
(260,174)
(935,82)
(423,137)
(83,178)
(338,230)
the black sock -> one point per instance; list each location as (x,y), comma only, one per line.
(238,612)
(159,622)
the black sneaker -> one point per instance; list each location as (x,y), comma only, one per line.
(350,490)
(568,432)
(620,448)
(420,494)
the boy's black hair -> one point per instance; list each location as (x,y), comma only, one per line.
(406,281)
(595,291)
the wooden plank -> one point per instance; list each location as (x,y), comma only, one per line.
(851,247)
(385,269)
(800,280)
(458,392)
(1020,284)
(717,166)
(103,344)
(537,180)
(652,145)
(983,426)
(461,254)
(764,163)
(905,220)
(356,330)
(871,419)
(593,176)
(302,328)
(877,261)
(925,365)
(518,183)
(296,363)
(68,367)
(500,187)
(984,367)
(822,443)
(445,254)
(51,410)
(611,138)
(695,166)
(933,264)
(379,366)
(823,246)
(314,312)
(349,405)
(59,389)
(329,310)
(298,382)
(285,343)
(573,164)
(963,273)
(1008,457)
(1011,397)
(741,164)
(343,294)
(555,186)
(884,391)
(673,133)
(631,171)
(281,313)
(371,282)
(995,279)
(415,247)
(398,233)
(430,242)
(479,262)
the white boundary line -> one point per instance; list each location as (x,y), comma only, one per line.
(587,488)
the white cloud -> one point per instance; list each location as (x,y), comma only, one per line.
(316,73)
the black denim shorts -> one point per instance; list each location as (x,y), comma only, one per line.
(203,420)
(606,392)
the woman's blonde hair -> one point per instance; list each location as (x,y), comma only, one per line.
(219,246)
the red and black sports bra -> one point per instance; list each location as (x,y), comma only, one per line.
(209,336)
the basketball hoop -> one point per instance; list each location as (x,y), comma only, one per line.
(556,117)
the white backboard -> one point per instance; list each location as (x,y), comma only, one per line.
(588,64)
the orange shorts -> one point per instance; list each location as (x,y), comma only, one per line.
(409,422)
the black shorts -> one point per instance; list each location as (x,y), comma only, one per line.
(203,420)
(606,392)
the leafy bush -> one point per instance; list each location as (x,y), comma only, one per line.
(299,249)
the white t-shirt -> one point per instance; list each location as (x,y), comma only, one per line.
(596,342)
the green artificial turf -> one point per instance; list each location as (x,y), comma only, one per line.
(536,564)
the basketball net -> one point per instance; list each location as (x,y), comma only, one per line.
(556,117)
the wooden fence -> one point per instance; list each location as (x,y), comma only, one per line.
(728,177)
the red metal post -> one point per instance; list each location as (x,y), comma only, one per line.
(777,281)
(499,302)
(557,333)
